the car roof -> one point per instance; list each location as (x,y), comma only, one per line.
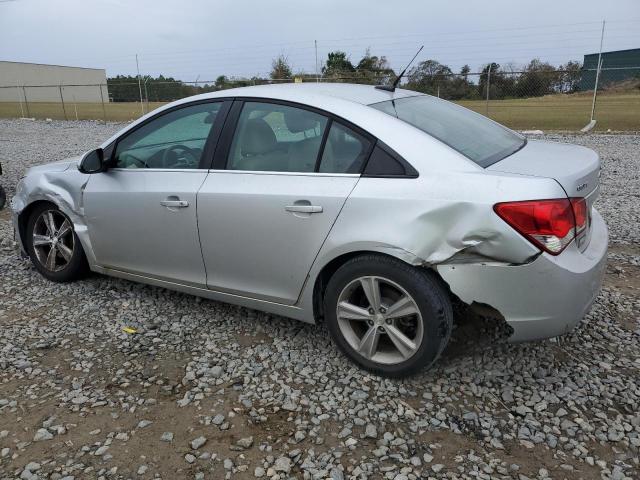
(344,100)
(362,94)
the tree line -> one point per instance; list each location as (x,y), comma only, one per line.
(537,78)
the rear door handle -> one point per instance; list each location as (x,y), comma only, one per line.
(174,203)
(304,208)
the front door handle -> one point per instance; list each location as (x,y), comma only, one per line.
(174,203)
(304,208)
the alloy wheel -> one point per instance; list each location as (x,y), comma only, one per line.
(380,320)
(53,240)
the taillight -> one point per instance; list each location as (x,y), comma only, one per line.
(549,224)
(580,212)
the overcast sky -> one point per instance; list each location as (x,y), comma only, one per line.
(188,39)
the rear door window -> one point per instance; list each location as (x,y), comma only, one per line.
(276,138)
(345,151)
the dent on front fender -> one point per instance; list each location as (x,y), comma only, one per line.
(62,188)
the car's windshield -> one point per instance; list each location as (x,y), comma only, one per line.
(471,134)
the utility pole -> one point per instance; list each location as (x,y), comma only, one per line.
(315,42)
(139,85)
(592,122)
(488,86)
(595,87)
(146,95)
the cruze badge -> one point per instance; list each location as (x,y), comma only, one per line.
(581,187)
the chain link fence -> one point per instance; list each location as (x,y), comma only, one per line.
(523,100)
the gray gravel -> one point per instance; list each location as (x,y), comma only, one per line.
(209,390)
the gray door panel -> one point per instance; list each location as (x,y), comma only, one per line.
(144,222)
(260,232)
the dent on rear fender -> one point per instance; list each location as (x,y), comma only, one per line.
(463,233)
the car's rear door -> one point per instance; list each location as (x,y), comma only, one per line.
(141,213)
(264,213)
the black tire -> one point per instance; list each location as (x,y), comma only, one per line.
(76,267)
(428,294)
(3,198)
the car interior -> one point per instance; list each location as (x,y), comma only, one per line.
(268,137)
(289,140)
(175,140)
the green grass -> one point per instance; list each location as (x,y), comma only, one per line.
(615,111)
(114,112)
(620,111)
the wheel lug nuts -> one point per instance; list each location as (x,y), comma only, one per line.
(383,310)
(372,311)
(370,322)
(381,329)
(388,321)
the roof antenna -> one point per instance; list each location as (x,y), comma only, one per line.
(392,87)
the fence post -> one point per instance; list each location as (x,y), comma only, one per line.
(26,102)
(19,99)
(104,112)
(62,101)
(488,87)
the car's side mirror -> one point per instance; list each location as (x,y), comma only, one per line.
(92,162)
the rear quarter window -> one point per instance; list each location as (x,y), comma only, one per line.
(473,135)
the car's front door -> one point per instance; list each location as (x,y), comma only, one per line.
(263,218)
(141,213)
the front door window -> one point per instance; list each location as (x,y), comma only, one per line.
(175,140)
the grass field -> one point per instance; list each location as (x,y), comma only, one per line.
(615,111)
(619,111)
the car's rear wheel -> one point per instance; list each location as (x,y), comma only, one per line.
(53,245)
(388,317)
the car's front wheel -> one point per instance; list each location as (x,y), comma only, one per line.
(53,245)
(389,317)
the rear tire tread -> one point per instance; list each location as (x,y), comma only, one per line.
(432,293)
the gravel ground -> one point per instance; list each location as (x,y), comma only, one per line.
(209,390)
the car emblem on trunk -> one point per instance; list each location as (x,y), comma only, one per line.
(581,187)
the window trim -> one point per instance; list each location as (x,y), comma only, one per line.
(410,171)
(221,155)
(210,143)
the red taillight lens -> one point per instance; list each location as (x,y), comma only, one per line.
(549,224)
(580,211)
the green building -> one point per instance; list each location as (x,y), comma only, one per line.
(617,67)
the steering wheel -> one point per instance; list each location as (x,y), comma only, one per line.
(174,151)
(126,157)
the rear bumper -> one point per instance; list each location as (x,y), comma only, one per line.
(541,299)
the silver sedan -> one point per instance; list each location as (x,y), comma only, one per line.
(371,210)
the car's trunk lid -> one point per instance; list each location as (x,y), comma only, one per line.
(575,168)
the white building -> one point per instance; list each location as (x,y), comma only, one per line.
(35,82)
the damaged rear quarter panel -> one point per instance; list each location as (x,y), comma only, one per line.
(442,217)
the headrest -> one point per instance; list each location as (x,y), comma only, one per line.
(298,120)
(258,138)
